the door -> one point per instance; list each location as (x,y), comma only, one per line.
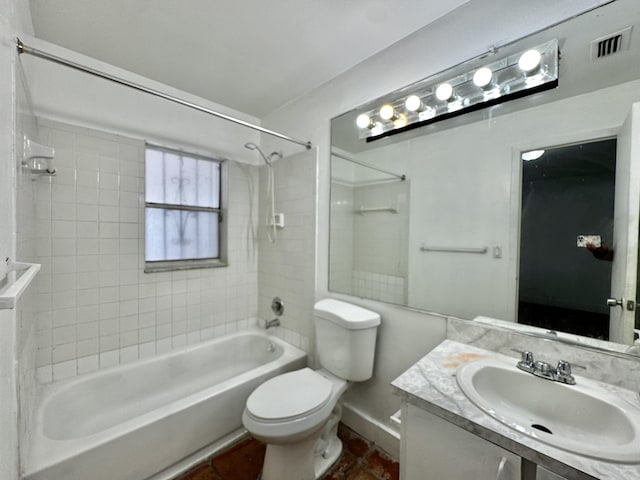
(625,229)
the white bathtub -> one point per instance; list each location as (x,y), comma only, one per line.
(131,421)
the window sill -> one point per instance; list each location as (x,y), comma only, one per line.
(177,265)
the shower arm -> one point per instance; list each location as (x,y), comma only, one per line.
(22,48)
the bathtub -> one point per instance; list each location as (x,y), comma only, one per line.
(132,421)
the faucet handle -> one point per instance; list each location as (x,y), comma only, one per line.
(564,367)
(526,356)
(526,362)
(563,372)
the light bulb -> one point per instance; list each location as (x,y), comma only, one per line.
(444,92)
(532,155)
(414,104)
(387,112)
(364,121)
(401,121)
(482,78)
(529,61)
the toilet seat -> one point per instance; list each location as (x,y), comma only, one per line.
(289,396)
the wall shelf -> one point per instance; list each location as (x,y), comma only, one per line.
(19,277)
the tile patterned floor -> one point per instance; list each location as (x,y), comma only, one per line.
(360,460)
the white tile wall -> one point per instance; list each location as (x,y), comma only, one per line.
(95,305)
(356,266)
(386,288)
(381,239)
(287,267)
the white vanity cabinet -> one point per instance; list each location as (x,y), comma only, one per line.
(434,449)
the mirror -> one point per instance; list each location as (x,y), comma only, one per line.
(566,229)
(431,218)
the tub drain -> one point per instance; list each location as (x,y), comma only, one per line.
(542,428)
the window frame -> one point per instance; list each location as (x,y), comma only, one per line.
(151,266)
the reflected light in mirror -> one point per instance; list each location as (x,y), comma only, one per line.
(364,121)
(400,121)
(532,155)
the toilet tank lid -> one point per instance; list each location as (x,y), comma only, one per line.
(345,314)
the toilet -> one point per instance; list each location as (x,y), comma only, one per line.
(297,413)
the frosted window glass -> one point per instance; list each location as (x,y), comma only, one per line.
(181,180)
(193,183)
(181,234)
(154,176)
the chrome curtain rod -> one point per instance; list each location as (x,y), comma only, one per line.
(401,176)
(22,48)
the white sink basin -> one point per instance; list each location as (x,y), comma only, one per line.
(584,418)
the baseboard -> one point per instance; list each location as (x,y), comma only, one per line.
(385,436)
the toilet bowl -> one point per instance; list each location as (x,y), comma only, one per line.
(297,413)
(294,425)
(311,397)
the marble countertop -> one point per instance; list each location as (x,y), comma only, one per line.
(431,385)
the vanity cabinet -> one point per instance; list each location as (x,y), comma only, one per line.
(544,474)
(434,449)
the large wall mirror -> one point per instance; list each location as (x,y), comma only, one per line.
(526,211)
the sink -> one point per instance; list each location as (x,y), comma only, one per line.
(585,418)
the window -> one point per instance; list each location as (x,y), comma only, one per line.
(183,210)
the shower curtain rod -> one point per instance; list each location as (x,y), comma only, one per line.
(400,176)
(22,48)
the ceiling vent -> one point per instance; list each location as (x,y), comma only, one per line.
(610,44)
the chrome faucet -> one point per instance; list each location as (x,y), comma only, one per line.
(271,323)
(561,373)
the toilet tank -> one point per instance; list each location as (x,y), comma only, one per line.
(345,338)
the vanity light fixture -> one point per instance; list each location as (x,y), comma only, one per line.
(387,112)
(529,62)
(400,121)
(512,75)
(444,92)
(483,78)
(365,121)
(413,103)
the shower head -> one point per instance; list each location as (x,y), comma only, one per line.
(267,160)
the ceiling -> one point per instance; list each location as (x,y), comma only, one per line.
(250,55)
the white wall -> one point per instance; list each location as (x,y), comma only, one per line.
(14,20)
(404,335)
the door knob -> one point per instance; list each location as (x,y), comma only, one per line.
(614,302)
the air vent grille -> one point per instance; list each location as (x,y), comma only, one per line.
(611,44)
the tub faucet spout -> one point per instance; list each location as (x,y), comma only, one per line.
(271,323)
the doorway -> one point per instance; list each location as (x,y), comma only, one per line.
(567,192)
